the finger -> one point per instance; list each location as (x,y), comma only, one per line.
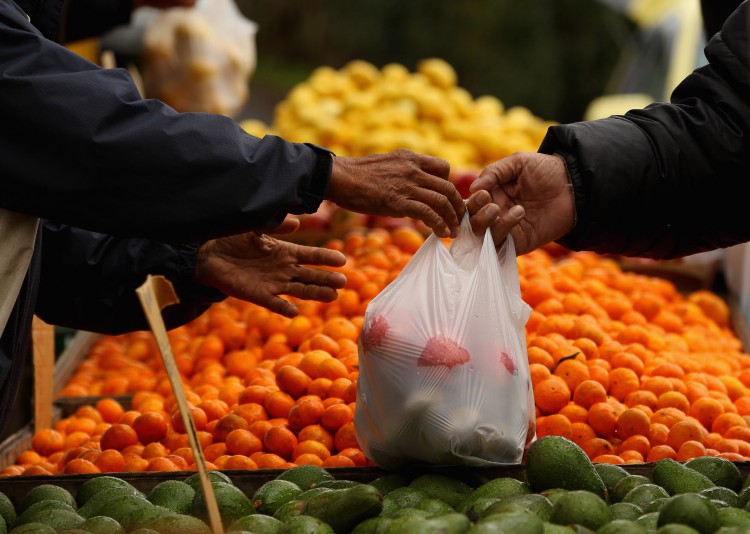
(287,226)
(477,200)
(311,292)
(318,256)
(505,223)
(278,305)
(320,277)
(417,209)
(485,218)
(497,173)
(436,166)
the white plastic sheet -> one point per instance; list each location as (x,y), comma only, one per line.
(444,376)
(200,58)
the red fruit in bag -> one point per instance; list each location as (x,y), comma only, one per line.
(442,351)
(508,362)
(373,335)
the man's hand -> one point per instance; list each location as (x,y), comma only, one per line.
(258,268)
(398,184)
(527,195)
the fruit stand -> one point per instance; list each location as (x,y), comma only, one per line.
(635,383)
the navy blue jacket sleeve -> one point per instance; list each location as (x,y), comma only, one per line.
(79,146)
(88,280)
(671,179)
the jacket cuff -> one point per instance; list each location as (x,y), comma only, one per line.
(576,180)
(321,176)
(185,282)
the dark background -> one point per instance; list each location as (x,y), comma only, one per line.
(552,56)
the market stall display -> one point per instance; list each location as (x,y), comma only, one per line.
(622,364)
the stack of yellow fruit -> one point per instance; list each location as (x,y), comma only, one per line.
(361,110)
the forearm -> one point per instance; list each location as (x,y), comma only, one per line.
(88,280)
(79,146)
(669,180)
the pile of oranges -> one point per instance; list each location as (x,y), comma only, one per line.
(265,391)
(629,368)
(622,364)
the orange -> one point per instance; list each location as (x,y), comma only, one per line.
(642,397)
(622,382)
(242,441)
(200,419)
(345,437)
(573,372)
(726,421)
(339,328)
(608,459)
(306,412)
(683,431)
(119,436)
(150,426)
(632,422)
(551,395)
(280,441)
(673,399)
(659,452)
(227,424)
(603,419)
(540,356)
(705,410)
(214,409)
(270,461)
(110,410)
(336,416)
(79,465)
(667,416)
(318,433)
(320,387)
(574,412)
(690,449)
(278,403)
(332,369)
(596,447)
(251,412)
(310,447)
(338,460)
(588,393)
(554,425)
(636,442)
(154,450)
(538,373)
(293,380)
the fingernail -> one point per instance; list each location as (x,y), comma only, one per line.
(481,200)
(516,212)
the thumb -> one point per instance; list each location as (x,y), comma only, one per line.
(499,172)
(288,225)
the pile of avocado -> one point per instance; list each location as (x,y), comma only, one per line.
(562,492)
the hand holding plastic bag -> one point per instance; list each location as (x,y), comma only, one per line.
(443,372)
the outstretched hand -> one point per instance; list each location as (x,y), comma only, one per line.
(258,268)
(527,195)
(398,184)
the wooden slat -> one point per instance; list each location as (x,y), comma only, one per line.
(43,336)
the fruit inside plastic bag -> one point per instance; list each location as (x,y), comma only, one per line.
(200,58)
(444,377)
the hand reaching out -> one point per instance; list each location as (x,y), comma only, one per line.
(258,268)
(527,195)
(398,184)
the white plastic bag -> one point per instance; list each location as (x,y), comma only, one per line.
(443,372)
(200,58)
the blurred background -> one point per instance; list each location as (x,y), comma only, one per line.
(555,58)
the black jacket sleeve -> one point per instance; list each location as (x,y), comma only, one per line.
(79,146)
(672,179)
(88,280)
